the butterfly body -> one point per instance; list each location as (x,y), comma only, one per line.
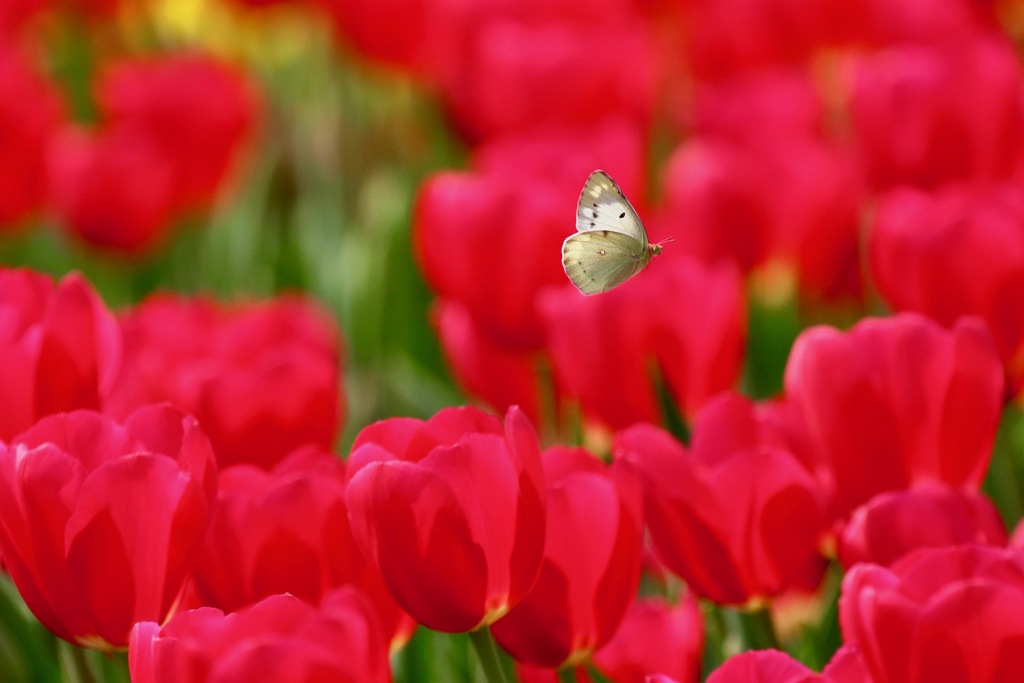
(610,245)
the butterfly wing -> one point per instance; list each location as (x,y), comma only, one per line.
(598,260)
(603,206)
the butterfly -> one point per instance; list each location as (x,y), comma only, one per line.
(610,245)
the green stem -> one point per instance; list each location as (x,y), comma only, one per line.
(758,629)
(567,674)
(74,665)
(1002,480)
(717,640)
(487,653)
(775,325)
(671,416)
(595,674)
(550,425)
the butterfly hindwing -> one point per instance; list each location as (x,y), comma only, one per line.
(598,260)
(603,206)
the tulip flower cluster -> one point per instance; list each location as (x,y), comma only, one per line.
(167,133)
(791,450)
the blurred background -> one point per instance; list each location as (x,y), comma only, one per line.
(246,148)
(312,153)
(414,165)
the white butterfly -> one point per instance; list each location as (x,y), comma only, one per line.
(610,245)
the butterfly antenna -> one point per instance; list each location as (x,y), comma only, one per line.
(666,241)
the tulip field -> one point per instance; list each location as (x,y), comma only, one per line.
(326,356)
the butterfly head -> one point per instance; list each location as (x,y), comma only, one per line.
(655,249)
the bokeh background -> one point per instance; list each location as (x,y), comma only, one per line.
(414,165)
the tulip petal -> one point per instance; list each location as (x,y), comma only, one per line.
(420,539)
(129,553)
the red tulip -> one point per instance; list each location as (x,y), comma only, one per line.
(655,637)
(950,23)
(263,378)
(894,402)
(488,317)
(114,189)
(759,106)
(464,220)
(395,32)
(953,252)
(1017,537)
(492,244)
(451,511)
(892,524)
(439,48)
(531,70)
(772,666)
(603,348)
(281,639)
(738,521)
(526,75)
(270,533)
(926,116)
(732,37)
(286,531)
(726,38)
(564,157)
(763,666)
(782,200)
(591,567)
(14,14)
(100,522)
(196,111)
(30,111)
(953,614)
(59,348)
(847,666)
(171,130)
(499,375)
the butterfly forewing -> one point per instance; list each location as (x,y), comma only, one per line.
(599,260)
(603,206)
